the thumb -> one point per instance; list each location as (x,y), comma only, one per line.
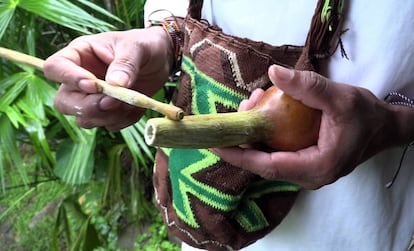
(124,68)
(308,87)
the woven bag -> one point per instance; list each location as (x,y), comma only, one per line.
(205,201)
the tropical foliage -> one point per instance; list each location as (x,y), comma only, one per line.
(91,183)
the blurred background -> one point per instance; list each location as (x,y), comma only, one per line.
(62,187)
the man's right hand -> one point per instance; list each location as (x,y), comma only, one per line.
(138,59)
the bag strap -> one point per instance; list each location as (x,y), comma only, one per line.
(323,35)
(194,9)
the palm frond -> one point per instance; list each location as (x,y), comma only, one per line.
(99,9)
(6,14)
(14,86)
(134,138)
(9,149)
(75,160)
(67,14)
(113,184)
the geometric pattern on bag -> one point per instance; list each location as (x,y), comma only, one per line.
(205,201)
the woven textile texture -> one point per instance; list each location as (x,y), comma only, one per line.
(205,201)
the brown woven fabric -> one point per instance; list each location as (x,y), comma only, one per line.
(205,201)
(321,41)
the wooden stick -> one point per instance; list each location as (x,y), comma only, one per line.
(123,94)
(138,99)
(277,121)
(22,58)
(208,130)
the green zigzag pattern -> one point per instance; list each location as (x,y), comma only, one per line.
(208,89)
(183,163)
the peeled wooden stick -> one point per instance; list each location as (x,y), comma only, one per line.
(22,58)
(277,121)
(123,94)
(205,131)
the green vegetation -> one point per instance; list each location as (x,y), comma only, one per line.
(62,187)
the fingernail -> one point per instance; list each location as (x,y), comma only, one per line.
(87,85)
(213,150)
(108,103)
(281,73)
(120,78)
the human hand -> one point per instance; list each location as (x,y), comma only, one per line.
(137,59)
(354,126)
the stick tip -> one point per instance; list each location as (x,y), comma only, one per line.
(179,115)
(149,135)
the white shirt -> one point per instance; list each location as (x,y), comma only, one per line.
(356,212)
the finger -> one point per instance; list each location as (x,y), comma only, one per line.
(244,105)
(85,58)
(256,95)
(297,167)
(108,103)
(308,87)
(125,65)
(73,102)
(66,67)
(132,117)
(112,121)
(248,104)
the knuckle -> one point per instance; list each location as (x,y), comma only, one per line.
(353,98)
(326,175)
(270,174)
(49,65)
(85,123)
(91,109)
(58,104)
(81,41)
(127,64)
(316,84)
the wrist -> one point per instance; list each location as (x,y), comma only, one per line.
(172,28)
(404,117)
(402,109)
(166,44)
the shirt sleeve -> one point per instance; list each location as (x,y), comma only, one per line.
(160,9)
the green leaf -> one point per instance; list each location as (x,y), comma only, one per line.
(16,202)
(133,137)
(91,240)
(98,9)
(39,141)
(9,148)
(17,84)
(62,220)
(113,182)
(66,14)
(2,170)
(38,94)
(15,116)
(75,160)
(87,239)
(67,123)
(44,90)
(31,110)
(6,14)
